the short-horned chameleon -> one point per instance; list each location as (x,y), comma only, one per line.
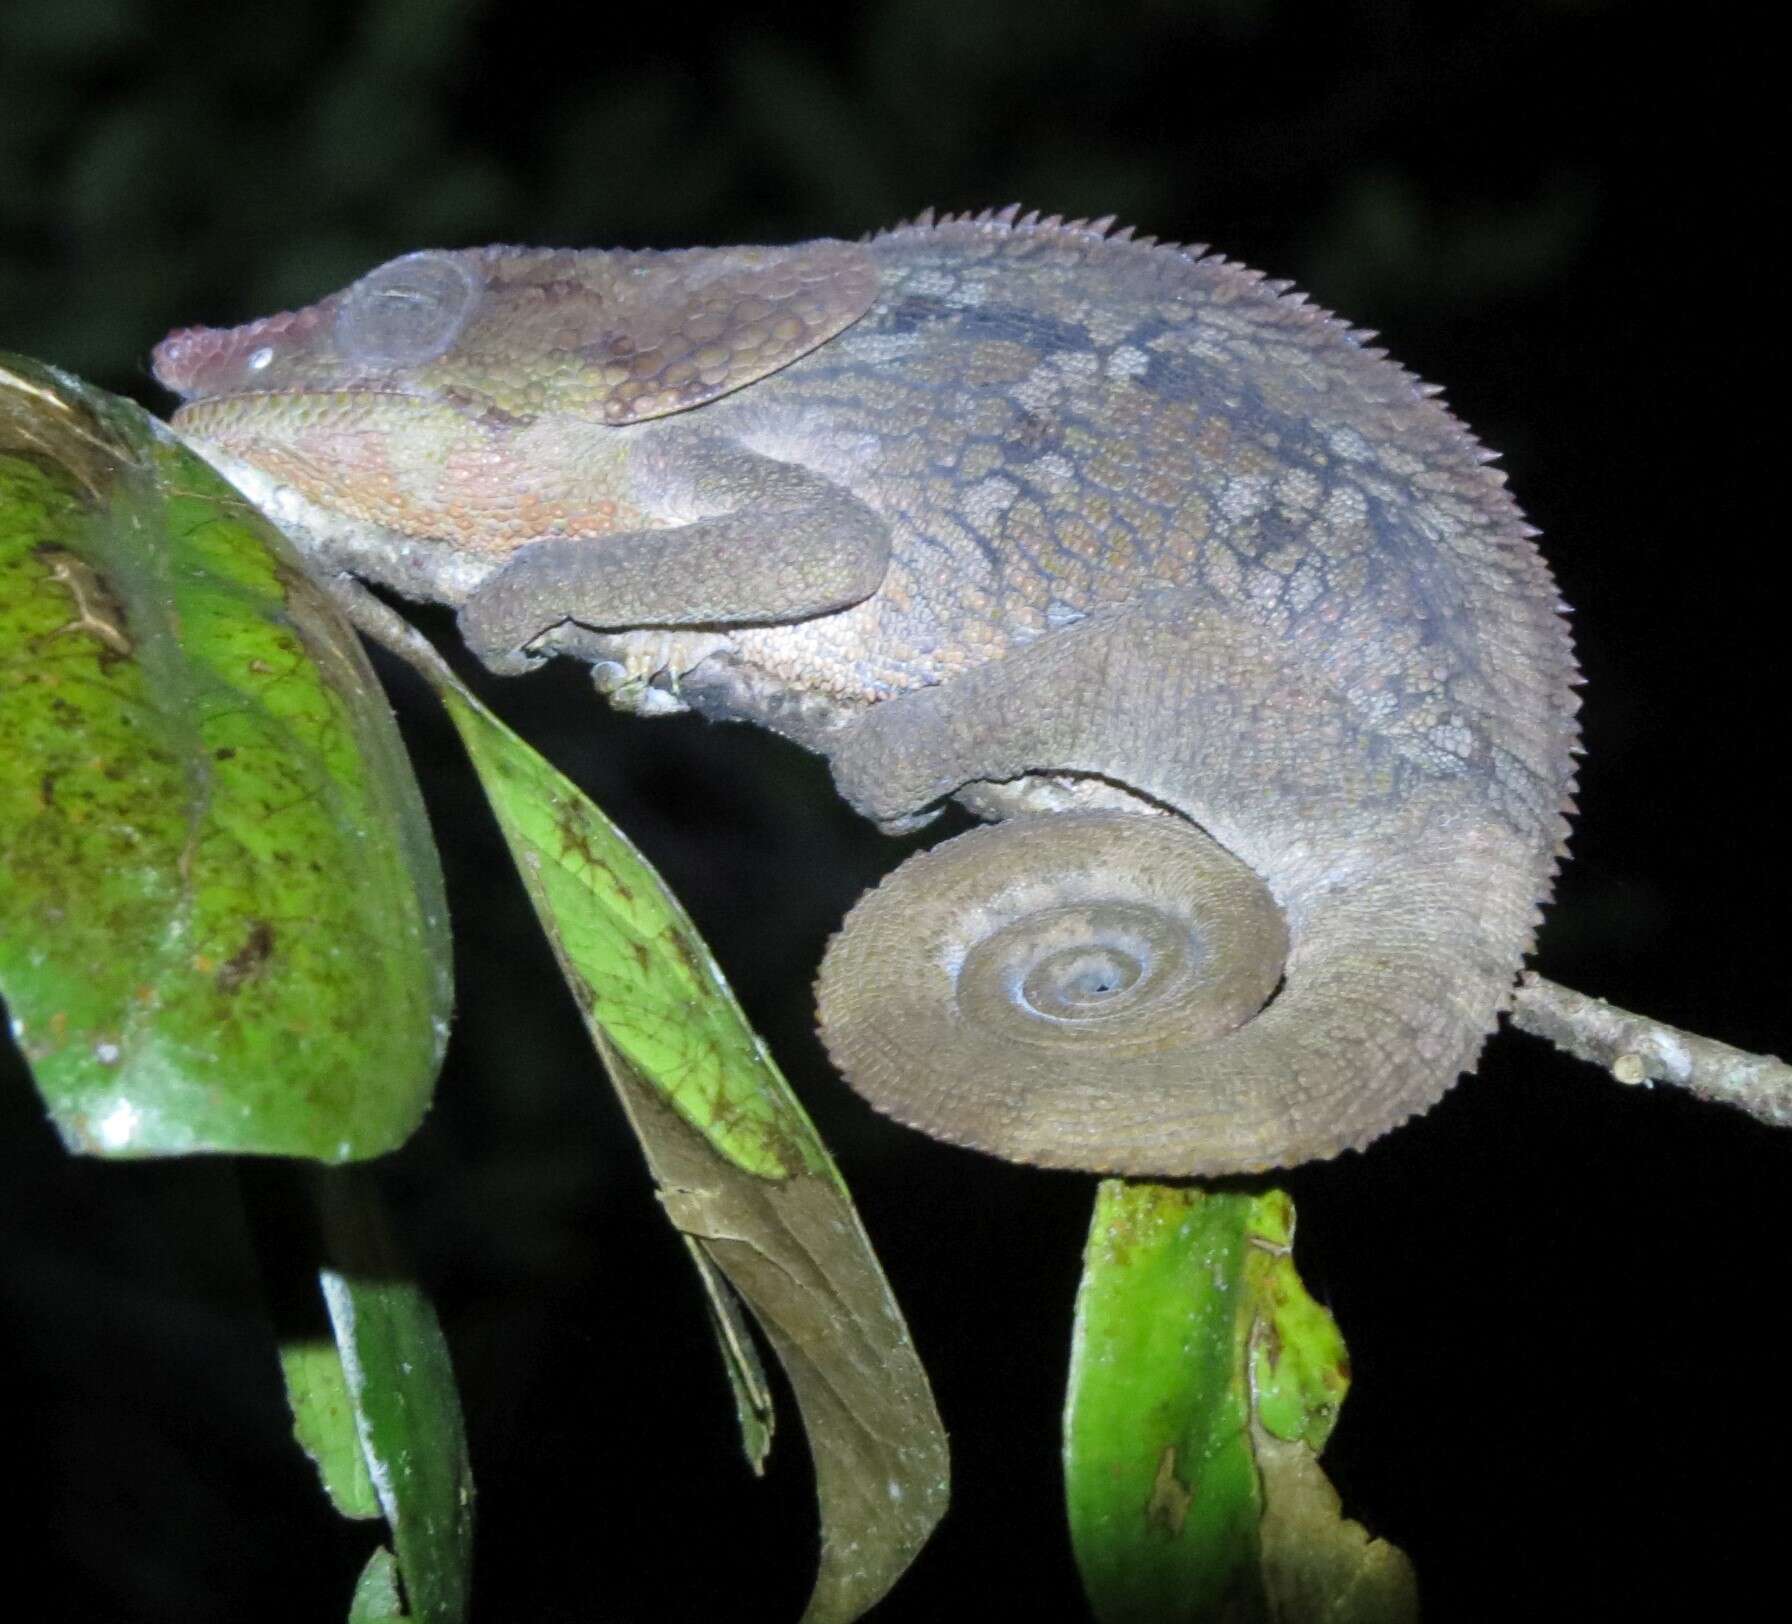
(1212,609)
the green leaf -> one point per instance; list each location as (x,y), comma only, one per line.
(400,1385)
(740,1171)
(376,1599)
(1162,1485)
(1203,1382)
(221,919)
(1300,1370)
(324,1419)
(635,961)
(753,1410)
(368,1379)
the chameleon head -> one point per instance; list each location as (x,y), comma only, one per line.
(368,403)
(467,395)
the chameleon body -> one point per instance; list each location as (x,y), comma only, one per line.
(1213,610)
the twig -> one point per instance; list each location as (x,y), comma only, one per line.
(389,629)
(1635,1049)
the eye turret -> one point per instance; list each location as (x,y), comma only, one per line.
(408,311)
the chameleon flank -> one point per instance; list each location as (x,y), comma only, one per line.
(1214,611)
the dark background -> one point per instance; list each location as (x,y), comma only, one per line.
(1565,1300)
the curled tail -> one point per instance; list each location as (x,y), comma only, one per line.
(1115,991)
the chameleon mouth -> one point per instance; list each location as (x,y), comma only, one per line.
(236,413)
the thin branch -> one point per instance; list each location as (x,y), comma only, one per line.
(1635,1049)
(376,622)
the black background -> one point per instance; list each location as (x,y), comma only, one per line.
(1564,1299)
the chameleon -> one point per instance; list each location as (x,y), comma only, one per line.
(1215,615)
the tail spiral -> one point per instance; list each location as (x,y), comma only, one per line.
(1116,991)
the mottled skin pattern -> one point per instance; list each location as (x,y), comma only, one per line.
(1057,521)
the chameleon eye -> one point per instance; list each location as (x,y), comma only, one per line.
(408,311)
